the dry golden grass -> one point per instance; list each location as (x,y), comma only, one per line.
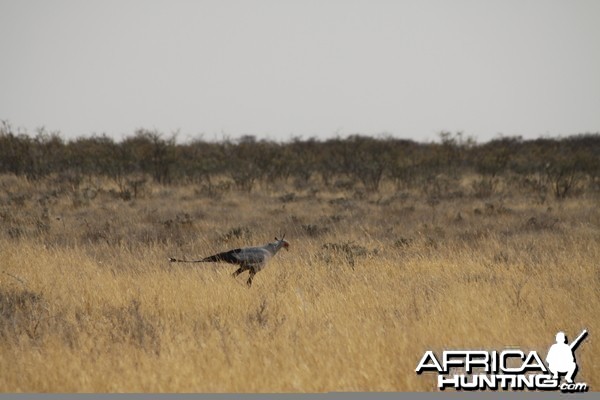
(89,303)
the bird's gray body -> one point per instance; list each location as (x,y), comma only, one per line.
(252,259)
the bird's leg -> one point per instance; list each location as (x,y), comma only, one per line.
(252,273)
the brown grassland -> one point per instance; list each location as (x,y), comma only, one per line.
(89,302)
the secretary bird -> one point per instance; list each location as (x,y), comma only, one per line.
(251,259)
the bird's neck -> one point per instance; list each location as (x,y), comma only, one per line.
(275,246)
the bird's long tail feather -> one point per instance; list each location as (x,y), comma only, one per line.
(172,259)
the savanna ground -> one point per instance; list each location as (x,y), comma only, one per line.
(89,302)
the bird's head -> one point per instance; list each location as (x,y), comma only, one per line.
(282,242)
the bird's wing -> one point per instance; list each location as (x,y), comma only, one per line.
(246,256)
(253,255)
(230,256)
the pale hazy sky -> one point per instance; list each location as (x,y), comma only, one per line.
(278,69)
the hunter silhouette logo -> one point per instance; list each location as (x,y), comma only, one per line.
(561,357)
(508,369)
